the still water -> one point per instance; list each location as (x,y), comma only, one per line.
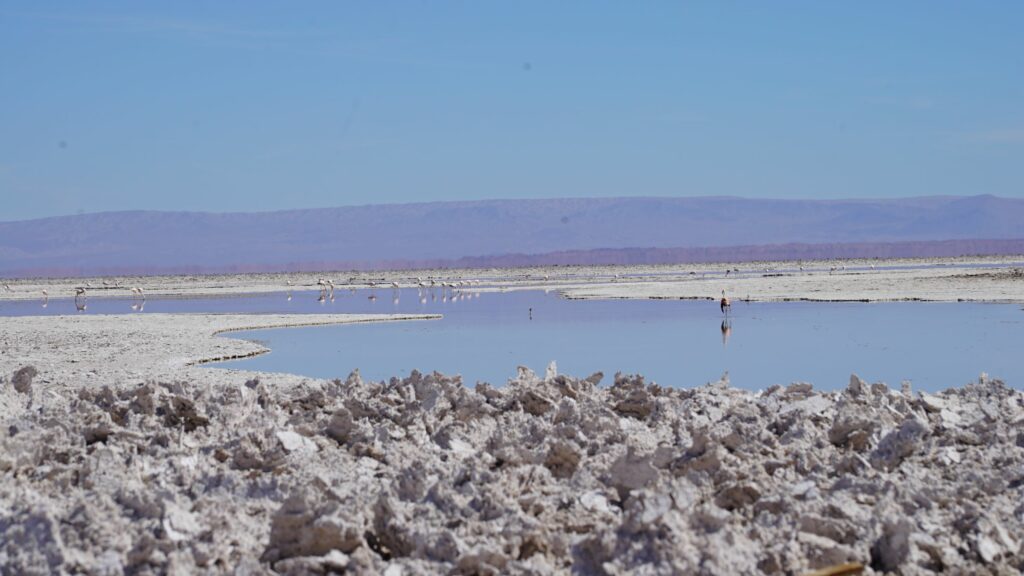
(675,343)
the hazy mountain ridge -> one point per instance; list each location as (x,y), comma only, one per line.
(365,236)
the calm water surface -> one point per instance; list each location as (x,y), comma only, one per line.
(675,343)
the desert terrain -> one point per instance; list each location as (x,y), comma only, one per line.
(121,453)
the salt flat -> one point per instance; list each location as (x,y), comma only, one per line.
(119,453)
(990,278)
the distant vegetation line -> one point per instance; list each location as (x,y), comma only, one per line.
(594,257)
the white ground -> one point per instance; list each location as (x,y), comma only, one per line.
(954,279)
(124,455)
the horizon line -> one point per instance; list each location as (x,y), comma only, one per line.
(486,200)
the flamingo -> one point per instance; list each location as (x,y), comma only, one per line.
(725,304)
(7,287)
(46,298)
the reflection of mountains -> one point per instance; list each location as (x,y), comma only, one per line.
(924,249)
(512,233)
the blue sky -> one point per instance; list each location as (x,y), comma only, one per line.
(223,106)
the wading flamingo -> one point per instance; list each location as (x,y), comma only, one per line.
(725,304)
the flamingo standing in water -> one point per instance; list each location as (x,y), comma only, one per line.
(725,304)
(46,298)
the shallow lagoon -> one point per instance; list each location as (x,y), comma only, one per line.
(675,343)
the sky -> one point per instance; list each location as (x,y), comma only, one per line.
(251,106)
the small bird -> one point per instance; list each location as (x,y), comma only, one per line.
(725,304)
(7,287)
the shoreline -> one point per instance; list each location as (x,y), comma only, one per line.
(117,348)
(896,279)
(120,451)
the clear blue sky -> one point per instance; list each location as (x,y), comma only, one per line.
(249,106)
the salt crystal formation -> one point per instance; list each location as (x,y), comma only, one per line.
(424,475)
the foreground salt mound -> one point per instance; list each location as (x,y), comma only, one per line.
(424,475)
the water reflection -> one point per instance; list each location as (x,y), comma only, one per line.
(484,336)
(934,345)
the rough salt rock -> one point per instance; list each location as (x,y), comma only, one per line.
(899,444)
(713,480)
(461,447)
(535,403)
(852,428)
(341,426)
(856,387)
(563,458)
(594,501)
(806,489)
(631,471)
(22,379)
(179,524)
(551,371)
(892,549)
(30,542)
(812,405)
(825,551)
(293,442)
(306,525)
(932,403)
(737,496)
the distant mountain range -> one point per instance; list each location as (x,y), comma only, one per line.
(510,232)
